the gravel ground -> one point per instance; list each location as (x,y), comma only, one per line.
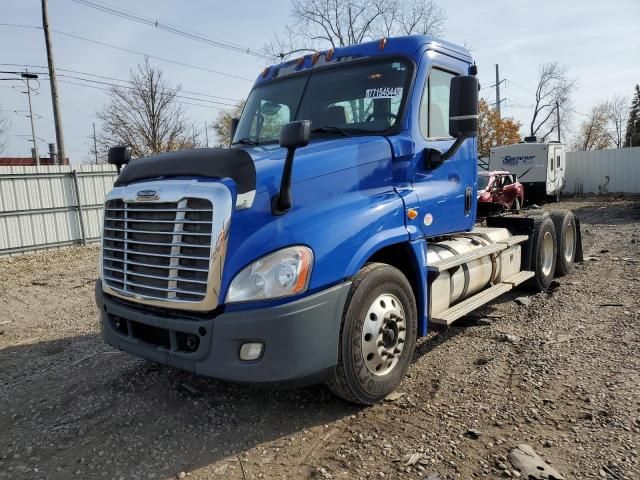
(561,374)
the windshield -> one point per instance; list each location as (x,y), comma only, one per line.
(483,180)
(356,99)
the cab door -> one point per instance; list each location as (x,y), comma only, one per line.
(446,192)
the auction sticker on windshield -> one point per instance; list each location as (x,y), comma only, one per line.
(384,92)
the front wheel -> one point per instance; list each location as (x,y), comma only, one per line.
(378,335)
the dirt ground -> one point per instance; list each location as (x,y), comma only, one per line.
(561,374)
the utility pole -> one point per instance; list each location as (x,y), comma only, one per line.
(206,134)
(57,115)
(29,76)
(498,91)
(95,144)
(558,118)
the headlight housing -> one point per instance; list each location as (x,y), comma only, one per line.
(279,274)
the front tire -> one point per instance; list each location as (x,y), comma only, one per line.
(378,335)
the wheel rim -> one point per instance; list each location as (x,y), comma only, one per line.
(383,334)
(569,242)
(547,253)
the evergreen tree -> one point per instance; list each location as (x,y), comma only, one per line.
(633,124)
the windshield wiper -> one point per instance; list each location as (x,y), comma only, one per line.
(331,129)
(246,141)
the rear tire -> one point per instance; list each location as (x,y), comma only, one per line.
(544,252)
(377,337)
(566,238)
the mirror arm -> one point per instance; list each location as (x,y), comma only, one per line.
(453,149)
(282,202)
(435,157)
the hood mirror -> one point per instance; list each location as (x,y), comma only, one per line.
(292,135)
(119,156)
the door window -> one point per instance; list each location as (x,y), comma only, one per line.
(434,107)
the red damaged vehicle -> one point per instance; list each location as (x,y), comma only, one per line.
(499,191)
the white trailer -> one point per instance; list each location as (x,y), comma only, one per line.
(540,167)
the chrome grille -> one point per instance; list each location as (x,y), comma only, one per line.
(158,250)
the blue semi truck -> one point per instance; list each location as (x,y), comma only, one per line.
(336,228)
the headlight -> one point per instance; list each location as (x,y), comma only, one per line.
(279,274)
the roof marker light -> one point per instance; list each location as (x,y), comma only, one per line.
(265,72)
(315,58)
(329,55)
(383,43)
(300,62)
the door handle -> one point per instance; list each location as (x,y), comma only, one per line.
(467,200)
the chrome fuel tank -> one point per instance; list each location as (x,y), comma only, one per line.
(456,284)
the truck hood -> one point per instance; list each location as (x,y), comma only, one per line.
(320,157)
(258,169)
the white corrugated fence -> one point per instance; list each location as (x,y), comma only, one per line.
(603,171)
(51,206)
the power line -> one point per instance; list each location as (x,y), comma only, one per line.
(135,17)
(135,52)
(118,80)
(521,87)
(109,90)
(128,87)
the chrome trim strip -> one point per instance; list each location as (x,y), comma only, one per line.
(150,265)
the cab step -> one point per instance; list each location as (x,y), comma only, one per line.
(519,277)
(515,240)
(461,309)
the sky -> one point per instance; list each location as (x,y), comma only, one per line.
(598,41)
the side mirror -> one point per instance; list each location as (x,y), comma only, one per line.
(295,134)
(463,118)
(234,126)
(119,156)
(463,107)
(292,136)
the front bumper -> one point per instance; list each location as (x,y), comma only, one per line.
(300,338)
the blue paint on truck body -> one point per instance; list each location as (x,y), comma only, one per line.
(350,200)
(350,195)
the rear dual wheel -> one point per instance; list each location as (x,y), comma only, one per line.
(378,335)
(544,252)
(567,235)
(554,243)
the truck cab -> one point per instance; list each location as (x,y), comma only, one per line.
(336,227)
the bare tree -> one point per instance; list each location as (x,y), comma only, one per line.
(553,92)
(222,124)
(5,125)
(318,24)
(594,133)
(617,111)
(145,115)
